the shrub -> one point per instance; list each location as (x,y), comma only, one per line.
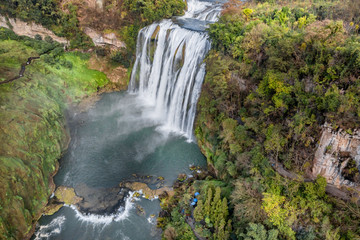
(38,37)
(122,56)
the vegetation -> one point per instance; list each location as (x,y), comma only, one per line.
(277,72)
(124,17)
(210,217)
(49,14)
(128,17)
(32,131)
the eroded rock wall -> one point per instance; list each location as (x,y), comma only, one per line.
(29,29)
(335,150)
(104,39)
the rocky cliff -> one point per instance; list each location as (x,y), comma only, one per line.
(32,29)
(29,29)
(337,150)
(104,39)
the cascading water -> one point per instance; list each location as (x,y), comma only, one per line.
(118,138)
(169,68)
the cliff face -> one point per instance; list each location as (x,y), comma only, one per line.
(101,39)
(29,29)
(335,152)
(90,14)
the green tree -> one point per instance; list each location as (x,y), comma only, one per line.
(258,232)
(199,211)
(224,208)
(207,207)
(215,205)
(220,231)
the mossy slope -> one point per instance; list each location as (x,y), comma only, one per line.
(32,129)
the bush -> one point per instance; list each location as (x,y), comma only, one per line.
(66,64)
(48,39)
(101,51)
(6,34)
(38,37)
(122,56)
(49,59)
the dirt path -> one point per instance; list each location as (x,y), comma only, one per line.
(330,189)
(22,70)
(191,222)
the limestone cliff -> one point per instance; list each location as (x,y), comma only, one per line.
(29,29)
(335,151)
(92,17)
(32,29)
(103,39)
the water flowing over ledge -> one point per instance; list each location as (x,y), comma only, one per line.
(169,69)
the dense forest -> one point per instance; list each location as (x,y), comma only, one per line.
(277,72)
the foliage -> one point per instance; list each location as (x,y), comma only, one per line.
(303,69)
(214,212)
(258,232)
(32,131)
(210,217)
(126,17)
(150,11)
(143,12)
(121,57)
(276,74)
(49,14)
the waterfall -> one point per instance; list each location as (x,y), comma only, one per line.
(169,68)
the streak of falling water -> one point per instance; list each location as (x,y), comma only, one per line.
(169,68)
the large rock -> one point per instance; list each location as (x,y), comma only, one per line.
(146,191)
(100,4)
(101,39)
(29,29)
(335,150)
(100,200)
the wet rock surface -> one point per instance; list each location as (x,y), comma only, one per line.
(53,206)
(140,210)
(100,200)
(146,191)
(88,200)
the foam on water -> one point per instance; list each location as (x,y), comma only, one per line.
(51,229)
(121,215)
(203,10)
